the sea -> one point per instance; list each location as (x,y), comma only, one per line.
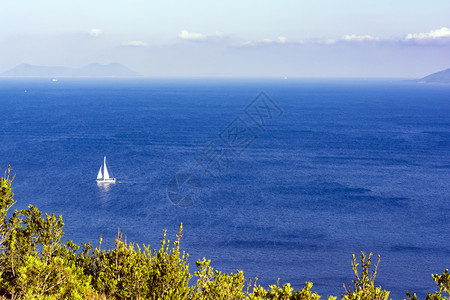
(282,178)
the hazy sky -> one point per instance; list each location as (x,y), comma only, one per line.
(321,38)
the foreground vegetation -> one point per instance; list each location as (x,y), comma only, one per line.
(36,264)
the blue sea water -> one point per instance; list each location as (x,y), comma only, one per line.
(341,166)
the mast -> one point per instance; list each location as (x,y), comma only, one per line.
(105,169)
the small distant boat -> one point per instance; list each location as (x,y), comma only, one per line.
(103,174)
(54,80)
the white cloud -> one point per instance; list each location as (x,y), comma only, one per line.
(278,40)
(444,32)
(281,39)
(327,42)
(135,44)
(358,38)
(95,32)
(438,36)
(193,36)
(317,42)
(243,44)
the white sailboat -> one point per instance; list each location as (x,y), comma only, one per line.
(103,174)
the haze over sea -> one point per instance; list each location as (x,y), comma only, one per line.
(349,165)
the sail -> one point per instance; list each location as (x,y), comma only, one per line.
(99,175)
(105,170)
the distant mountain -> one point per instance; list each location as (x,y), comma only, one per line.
(91,70)
(439,77)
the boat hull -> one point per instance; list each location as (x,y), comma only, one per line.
(111,180)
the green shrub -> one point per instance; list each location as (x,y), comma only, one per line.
(213,284)
(364,283)
(34,263)
(443,283)
(127,271)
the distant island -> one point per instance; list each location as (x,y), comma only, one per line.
(438,77)
(91,70)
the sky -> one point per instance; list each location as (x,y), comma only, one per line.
(218,38)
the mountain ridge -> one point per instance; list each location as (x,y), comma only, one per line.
(90,70)
(438,77)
